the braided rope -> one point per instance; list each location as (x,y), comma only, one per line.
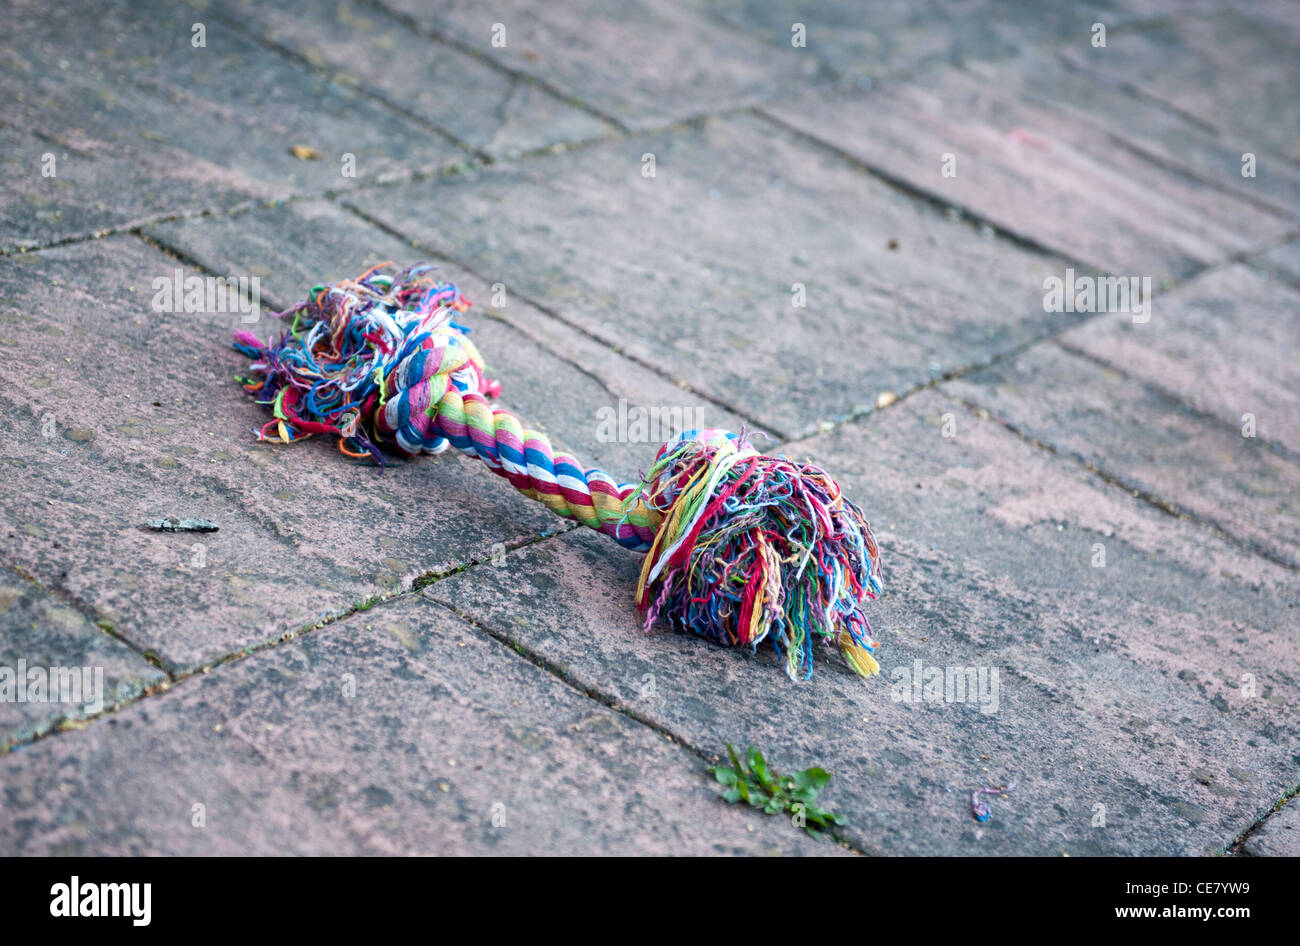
(524,457)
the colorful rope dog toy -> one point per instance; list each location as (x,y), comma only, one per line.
(739,547)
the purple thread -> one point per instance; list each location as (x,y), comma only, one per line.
(979,808)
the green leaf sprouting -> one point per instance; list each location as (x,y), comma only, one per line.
(754,783)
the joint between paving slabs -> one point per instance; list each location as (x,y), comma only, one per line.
(482,158)
(958,371)
(136,227)
(1164,163)
(1137,492)
(1054,336)
(1234,848)
(836,77)
(1167,166)
(1137,90)
(360,88)
(175,677)
(1286,279)
(972,218)
(578,327)
(1273,446)
(596,695)
(1255,260)
(394,178)
(42,135)
(419,29)
(88,612)
(390,179)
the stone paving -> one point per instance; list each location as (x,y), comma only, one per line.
(664,205)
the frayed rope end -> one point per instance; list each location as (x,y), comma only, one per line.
(752,548)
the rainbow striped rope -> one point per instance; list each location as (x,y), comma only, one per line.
(740,547)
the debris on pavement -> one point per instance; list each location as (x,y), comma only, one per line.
(172,524)
(979,808)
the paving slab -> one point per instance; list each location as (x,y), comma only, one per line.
(83,194)
(886,39)
(1234,71)
(1278,836)
(492,110)
(1147,441)
(1222,343)
(40,632)
(1114,114)
(644,64)
(74,518)
(684,271)
(1122,713)
(1271,14)
(141,122)
(120,414)
(1283,261)
(400,731)
(1036,173)
(128,785)
(562,381)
